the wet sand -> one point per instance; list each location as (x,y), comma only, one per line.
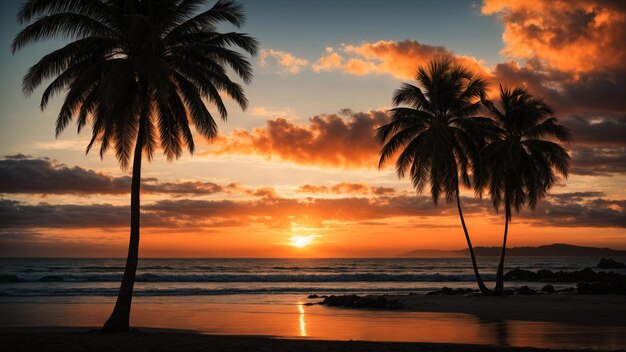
(75,339)
(567,308)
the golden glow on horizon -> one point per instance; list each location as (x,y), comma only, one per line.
(301,241)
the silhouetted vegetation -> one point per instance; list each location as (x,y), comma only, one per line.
(441,141)
(519,165)
(437,137)
(137,71)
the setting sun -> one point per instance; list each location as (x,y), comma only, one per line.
(301,241)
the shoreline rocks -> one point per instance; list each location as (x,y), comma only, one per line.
(446,291)
(354,301)
(610,264)
(588,281)
(544,275)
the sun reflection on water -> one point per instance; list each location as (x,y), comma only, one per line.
(302,323)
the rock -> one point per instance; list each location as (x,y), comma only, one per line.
(548,289)
(586,274)
(446,291)
(589,281)
(354,301)
(308,304)
(610,264)
(313,296)
(509,291)
(593,288)
(525,290)
(602,288)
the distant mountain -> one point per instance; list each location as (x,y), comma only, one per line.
(551,250)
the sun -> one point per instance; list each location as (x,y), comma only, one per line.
(301,241)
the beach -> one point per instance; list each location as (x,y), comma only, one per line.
(70,340)
(568,308)
(548,322)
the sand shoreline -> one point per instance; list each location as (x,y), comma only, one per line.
(466,323)
(148,339)
(603,310)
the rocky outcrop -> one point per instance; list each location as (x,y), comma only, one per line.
(446,291)
(610,264)
(589,281)
(563,276)
(354,301)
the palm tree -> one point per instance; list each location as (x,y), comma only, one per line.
(137,71)
(520,164)
(437,133)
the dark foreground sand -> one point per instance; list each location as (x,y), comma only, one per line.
(144,340)
(568,308)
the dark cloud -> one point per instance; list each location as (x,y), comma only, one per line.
(571,93)
(591,212)
(281,212)
(45,176)
(564,209)
(599,130)
(23,174)
(595,161)
(268,209)
(14,214)
(575,196)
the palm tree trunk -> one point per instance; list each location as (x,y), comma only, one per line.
(119,319)
(500,273)
(479,280)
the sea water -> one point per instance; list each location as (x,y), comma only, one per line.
(269,297)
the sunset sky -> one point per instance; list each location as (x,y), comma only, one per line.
(302,161)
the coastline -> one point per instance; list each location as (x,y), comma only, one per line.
(597,310)
(450,323)
(139,340)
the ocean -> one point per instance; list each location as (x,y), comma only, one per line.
(39,278)
(270,297)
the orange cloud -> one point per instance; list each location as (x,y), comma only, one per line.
(572,35)
(331,61)
(327,140)
(398,59)
(287,61)
(349,188)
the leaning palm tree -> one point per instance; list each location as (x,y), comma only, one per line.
(438,134)
(137,71)
(520,166)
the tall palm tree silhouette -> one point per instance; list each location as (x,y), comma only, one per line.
(137,70)
(519,165)
(437,135)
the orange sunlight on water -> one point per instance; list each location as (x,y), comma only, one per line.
(319,322)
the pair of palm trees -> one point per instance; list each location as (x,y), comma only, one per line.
(138,71)
(442,142)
